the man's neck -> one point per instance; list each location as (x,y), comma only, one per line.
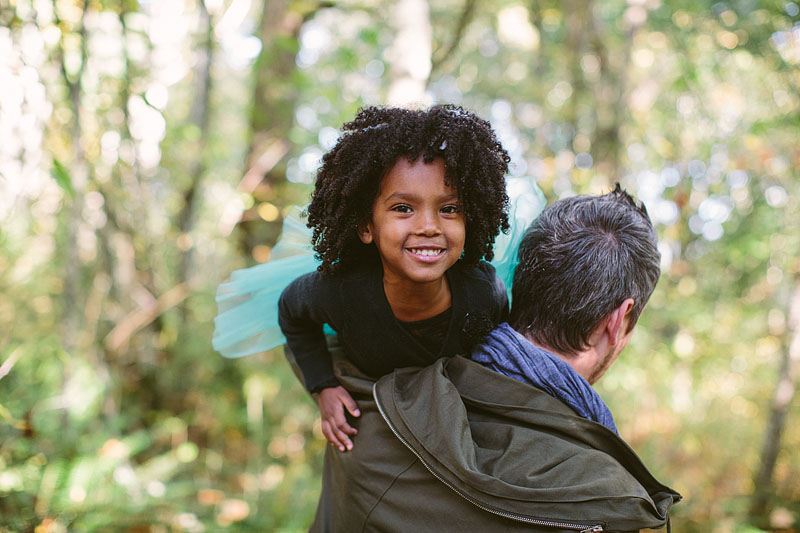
(582,362)
(542,346)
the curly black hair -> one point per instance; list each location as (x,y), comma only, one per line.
(349,178)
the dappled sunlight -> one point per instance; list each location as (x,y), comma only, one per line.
(515,28)
(126,197)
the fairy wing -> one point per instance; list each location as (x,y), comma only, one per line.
(247,319)
(526,201)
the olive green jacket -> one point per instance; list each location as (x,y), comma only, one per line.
(458,447)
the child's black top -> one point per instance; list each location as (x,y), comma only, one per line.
(355,306)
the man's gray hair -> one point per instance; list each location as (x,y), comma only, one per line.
(579,261)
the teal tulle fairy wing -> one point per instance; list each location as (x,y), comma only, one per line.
(526,201)
(295,237)
(247,319)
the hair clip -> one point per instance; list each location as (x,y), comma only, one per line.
(375,127)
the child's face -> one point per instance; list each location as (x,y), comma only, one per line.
(416,223)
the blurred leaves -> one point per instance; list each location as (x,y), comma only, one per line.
(62,177)
(693,106)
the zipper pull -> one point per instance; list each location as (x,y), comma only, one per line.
(593,529)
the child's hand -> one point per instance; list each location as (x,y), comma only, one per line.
(334,425)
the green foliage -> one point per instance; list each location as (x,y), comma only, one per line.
(127,210)
(62,177)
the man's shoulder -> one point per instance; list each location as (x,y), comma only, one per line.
(585,469)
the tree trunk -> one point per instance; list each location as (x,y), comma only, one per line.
(788,375)
(577,21)
(79,176)
(199,116)
(272,112)
(607,145)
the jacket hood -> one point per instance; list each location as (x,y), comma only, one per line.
(514,450)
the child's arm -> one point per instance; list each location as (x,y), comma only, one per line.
(302,311)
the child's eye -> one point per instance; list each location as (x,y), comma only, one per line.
(402,208)
(450,209)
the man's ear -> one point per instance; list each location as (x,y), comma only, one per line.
(364,232)
(616,323)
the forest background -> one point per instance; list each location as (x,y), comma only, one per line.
(149,148)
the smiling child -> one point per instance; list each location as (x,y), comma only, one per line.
(405,209)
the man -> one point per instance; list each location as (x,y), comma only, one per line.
(514,437)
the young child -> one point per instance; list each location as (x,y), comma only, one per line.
(405,207)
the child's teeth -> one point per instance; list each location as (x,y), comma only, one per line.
(427,252)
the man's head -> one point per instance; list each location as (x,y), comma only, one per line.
(584,260)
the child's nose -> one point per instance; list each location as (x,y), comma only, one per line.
(429,223)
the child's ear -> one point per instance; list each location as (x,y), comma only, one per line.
(364,233)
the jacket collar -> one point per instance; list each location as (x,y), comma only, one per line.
(505,351)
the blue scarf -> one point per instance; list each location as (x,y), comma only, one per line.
(509,353)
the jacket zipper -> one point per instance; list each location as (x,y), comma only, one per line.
(580,528)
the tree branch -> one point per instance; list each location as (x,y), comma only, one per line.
(440,56)
(118,337)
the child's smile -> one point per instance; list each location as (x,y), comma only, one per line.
(417,224)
